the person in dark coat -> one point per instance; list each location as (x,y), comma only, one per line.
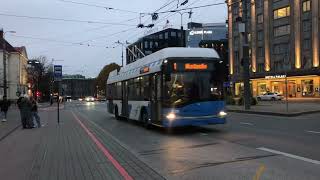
(4,105)
(25,112)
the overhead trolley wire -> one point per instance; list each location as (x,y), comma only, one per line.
(64,20)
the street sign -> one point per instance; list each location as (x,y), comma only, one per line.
(57,73)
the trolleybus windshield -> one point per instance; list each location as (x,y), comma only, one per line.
(186,86)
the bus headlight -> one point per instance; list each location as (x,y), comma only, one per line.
(222,114)
(171,116)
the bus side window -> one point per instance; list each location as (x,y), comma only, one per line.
(145,88)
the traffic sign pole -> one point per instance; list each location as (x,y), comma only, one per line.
(58,102)
(58,78)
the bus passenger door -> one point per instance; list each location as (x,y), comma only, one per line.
(124,109)
(155,103)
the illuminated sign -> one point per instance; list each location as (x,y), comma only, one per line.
(275,77)
(144,70)
(189,66)
(191,33)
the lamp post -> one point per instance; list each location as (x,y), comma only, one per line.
(122,44)
(286,62)
(5,62)
(181,23)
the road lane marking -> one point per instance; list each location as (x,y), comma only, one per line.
(246,123)
(314,132)
(105,151)
(290,155)
(259,172)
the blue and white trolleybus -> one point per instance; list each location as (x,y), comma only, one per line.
(169,88)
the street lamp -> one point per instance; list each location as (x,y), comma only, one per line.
(36,65)
(181,21)
(5,62)
(122,45)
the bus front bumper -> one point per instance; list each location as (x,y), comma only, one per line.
(193,121)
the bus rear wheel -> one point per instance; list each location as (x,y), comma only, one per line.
(116,113)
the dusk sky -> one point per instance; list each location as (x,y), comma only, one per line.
(81,46)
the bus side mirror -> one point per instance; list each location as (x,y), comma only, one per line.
(167,77)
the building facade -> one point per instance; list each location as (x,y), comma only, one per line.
(77,86)
(154,42)
(283,38)
(16,71)
(198,32)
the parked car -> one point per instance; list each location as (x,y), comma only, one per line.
(270,96)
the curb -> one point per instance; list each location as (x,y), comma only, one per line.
(274,113)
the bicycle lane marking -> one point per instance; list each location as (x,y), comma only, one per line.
(105,151)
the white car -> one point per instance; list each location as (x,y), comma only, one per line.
(270,96)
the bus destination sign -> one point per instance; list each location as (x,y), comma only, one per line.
(144,70)
(201,66)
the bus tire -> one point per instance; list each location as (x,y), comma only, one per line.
(116,113)
(144,119)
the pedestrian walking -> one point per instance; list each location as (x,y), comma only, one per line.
(34,112)
(5,104)
(25,106)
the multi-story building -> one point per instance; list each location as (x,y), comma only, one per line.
(283,38)
(154,42)
(198,32)
(77,86)
(16,70)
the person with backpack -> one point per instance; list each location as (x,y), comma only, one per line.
(4,105)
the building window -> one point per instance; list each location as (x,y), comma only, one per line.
(281,30)
(260,67)
(307,44)
(166,35)
(306,25)
(151,44)
(280,48)
(307,87)
(146,44)
(260,18)
(160,36)
(277,66)
(306,6)
(281,13)
(260,35)
(259,3)
(260,52)
(235,10)
(173,34)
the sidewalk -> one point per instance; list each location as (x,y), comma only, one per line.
(13,122)
(278,108)
(75,149)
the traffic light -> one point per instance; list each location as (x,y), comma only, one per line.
(38,94)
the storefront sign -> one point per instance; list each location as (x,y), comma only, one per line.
(191,33)
(275,77)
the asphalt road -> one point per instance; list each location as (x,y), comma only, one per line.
(247,147)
